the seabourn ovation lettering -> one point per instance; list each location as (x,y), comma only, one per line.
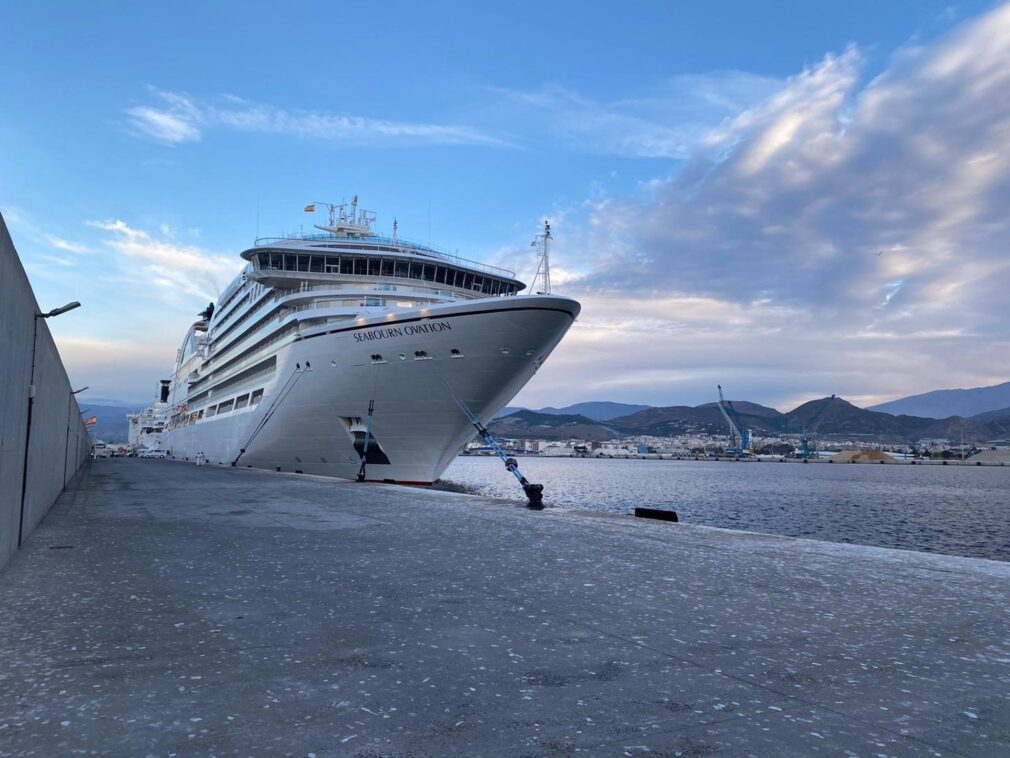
(388,332)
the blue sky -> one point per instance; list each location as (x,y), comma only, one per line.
(719,176)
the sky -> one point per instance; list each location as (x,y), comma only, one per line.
(790,199)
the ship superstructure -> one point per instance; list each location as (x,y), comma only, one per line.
(347,353)
(146,427)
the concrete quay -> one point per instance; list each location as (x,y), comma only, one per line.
(168,609)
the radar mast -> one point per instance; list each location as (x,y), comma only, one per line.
(542,242)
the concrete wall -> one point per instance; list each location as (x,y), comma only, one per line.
(59,441)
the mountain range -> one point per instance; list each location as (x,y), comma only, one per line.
(602,410)
(944,403)
(838,418)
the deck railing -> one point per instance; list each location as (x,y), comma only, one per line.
(403,245)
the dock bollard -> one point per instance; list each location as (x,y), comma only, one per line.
(656,513)
(535,493)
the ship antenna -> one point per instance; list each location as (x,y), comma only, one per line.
(396,226)
(543,244)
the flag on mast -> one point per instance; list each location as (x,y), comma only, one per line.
(310,208)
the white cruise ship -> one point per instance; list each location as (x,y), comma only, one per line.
(355,355)
(147,426)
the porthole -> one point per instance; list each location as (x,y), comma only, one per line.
(455,353)
(505,351)
(402,357)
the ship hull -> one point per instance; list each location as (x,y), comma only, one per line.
(414,369)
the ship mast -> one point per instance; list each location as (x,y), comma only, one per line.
(542,242)
(346,220)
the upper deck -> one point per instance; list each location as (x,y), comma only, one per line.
(374,243)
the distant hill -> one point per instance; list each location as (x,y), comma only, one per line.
(946,403)
(602,410)
(840,417)
(551,426)
(703,419)
(508,410)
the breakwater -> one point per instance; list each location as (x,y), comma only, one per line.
(57,443)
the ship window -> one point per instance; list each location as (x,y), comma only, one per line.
(387,267)
(416,270)
(225,407)
(467,281)
(257,395)
(263,260)
(346,264)
(404,303)
(317,263)
(212,411)
(403,269)
(429,272)
(241,401)
(374,266)
(373,301)
(303,262)
(277,261)
(290,262)
(478,282)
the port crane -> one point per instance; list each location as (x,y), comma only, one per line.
(808,449)
(739,435)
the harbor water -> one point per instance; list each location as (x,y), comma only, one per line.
(942,509)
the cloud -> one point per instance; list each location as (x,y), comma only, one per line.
(125,369)
(785,207)
(666,121)
(180,271)
(177,117)
(66,245)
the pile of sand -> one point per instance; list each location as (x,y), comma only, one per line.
(991,456)
(861,456)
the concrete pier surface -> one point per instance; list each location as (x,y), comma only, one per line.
(166,609)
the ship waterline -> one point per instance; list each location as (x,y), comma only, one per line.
(352,355)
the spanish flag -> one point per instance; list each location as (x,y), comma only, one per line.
(311,208)
(91,421)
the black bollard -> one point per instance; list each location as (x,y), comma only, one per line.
(535,493)
(656,513)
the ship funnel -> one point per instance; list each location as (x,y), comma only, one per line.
(164,390)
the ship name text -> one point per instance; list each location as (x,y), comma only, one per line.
(387,332)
